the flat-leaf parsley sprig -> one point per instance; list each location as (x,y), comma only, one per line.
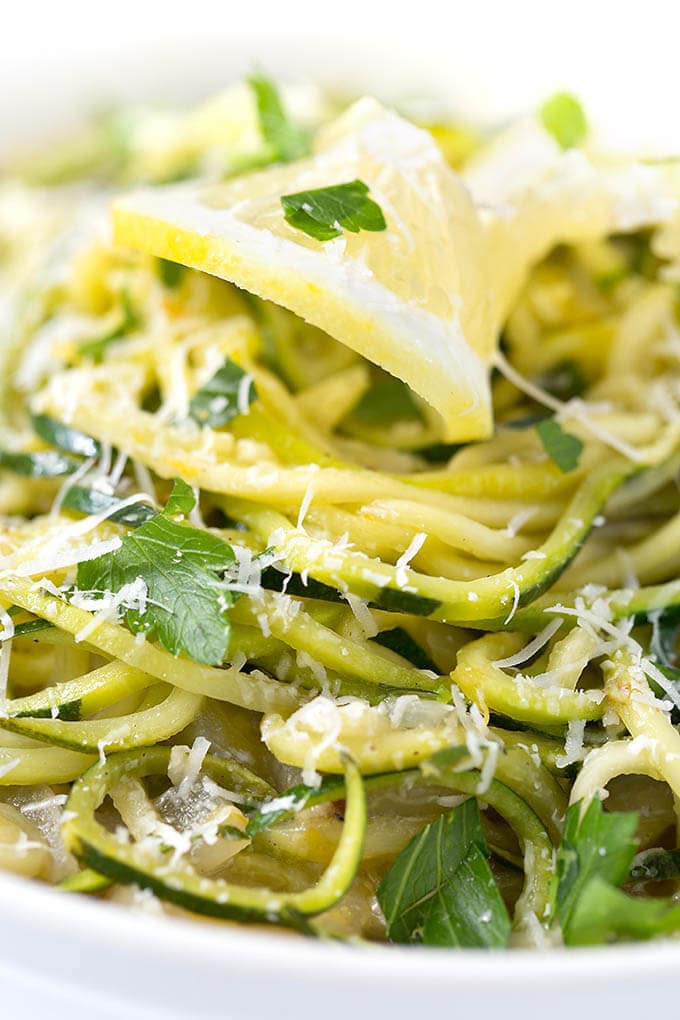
(324,213)
(182,567)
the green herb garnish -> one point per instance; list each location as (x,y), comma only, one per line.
(91,501)
(562,447)
(286,140)
(599,845)
(171,273)
(440,890)
(181,567)
(42,464)
(95,350)
(605,914)
(563,116)
(389,401)
(181,500)
(227,394)
(593,861)
(324,212)
(64,437)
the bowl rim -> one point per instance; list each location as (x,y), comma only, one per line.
(150,937)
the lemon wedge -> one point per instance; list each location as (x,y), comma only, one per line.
(425,299)
(411,298)
(533,195)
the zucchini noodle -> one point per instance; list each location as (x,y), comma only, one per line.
(281,594)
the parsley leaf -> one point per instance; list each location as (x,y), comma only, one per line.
(663,646)
(606,914)
(91,501)
(323,212)
(565,380)
(440,890)
(656,865)
(224,397)
(593,860)
(171,273)
(389,401)
(562,447)
(181,500)
(598,846)
(42,464)
(563,116)
(663,651)
(64,437)
(286,141)
(96,349)
(181,567)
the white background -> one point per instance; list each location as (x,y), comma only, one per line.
(488,57)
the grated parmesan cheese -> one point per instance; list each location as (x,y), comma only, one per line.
(6,635)
(243,394)
(573,744)
(515,602)
(530,650)
(362,614)
(131,596)
(185,765)
(307,498)
(402,563)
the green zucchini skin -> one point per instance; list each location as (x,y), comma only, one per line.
(496,599)
(99,850)
(642,605)
(85,881)
(139,729)
(77,699)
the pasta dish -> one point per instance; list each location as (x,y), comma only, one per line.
(340,534)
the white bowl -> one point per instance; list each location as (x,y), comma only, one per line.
(58,952)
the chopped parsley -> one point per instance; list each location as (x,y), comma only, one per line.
(594,860)
(563,116)
(171,273)
(42,464)
(324,213)
(562,447)
(387,402)
(227,394)
(51,463)
(94,350)
(64,437)
(181,500)
(90,501)
(565,380)
(599,845)
(286,140)
(441,892)
(605,914)
(181,566)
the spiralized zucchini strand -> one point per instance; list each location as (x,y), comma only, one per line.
(98,849)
